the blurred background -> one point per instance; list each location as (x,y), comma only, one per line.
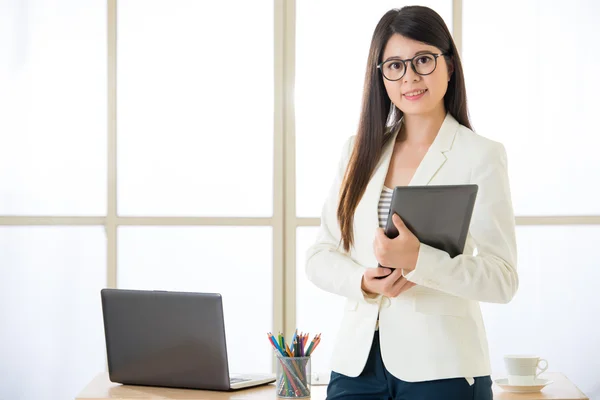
(131,129)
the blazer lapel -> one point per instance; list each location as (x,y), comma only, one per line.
(366,218)
(435,157)
(371,197)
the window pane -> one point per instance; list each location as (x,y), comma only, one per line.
(195,106)
(534,87)
(234,261)
(53,107)
(52,336)
(317,311)
(554,313)
(321,97)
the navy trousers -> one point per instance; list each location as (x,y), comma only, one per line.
(376,383)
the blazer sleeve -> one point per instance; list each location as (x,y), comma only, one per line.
(491,274)
(328,266)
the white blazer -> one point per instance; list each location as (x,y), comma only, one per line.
(434,330)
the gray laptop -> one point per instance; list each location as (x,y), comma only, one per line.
(170,339)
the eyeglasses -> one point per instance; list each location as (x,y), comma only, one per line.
(422,64)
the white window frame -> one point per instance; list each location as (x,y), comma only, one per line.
(284,221)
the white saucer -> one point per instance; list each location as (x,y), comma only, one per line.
(536,387)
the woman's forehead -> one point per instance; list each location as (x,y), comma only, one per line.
(403,47)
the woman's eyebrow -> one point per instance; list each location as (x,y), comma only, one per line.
(416,54)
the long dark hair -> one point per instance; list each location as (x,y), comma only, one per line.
(378,119)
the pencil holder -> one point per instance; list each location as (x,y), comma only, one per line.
(293,377)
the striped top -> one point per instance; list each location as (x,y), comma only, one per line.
(385,202)
(383,208)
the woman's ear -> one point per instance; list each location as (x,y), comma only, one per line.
(450,65)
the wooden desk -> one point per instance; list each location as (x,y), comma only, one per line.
(561,389)
(102,389)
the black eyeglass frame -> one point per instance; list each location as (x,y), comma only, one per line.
(412,65)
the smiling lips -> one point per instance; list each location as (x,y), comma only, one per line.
(415,94)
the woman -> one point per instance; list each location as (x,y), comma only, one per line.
(417,332)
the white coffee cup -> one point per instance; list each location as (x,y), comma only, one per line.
(522,370)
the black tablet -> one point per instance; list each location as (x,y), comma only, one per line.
(438,215)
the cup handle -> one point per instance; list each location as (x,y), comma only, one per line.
(542,369)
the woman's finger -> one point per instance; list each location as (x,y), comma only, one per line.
(378,272)
(400,282)
(401,285)
(407,286)
(390,280)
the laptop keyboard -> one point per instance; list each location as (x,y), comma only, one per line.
(237,380)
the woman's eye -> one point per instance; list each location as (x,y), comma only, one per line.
(395,65)
(423,60)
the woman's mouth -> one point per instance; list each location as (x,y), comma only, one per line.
(415,94)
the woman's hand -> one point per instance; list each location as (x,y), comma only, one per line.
(381,281)
(401,252)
